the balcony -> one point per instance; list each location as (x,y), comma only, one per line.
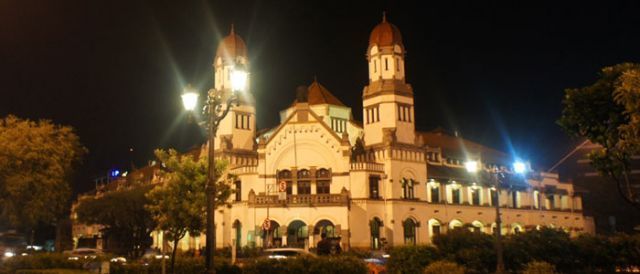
(367,166)
(300,200)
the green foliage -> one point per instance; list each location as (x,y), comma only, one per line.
(37,160)
(627,249)
(443,267)
(52,271)
(547,244)
(41,261)
(320,265)
(539,267)
(179,204)
(410,259)
(183,265)
(474,250)
(124,217)
(595,253)
(607,113)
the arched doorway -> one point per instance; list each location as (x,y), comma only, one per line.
(273,236)
(297,233)
(237,226)
(375,226)
(409,226)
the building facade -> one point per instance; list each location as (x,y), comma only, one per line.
(372,183)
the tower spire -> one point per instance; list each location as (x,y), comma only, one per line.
(232,32)
(384,16)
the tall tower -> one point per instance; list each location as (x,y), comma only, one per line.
(237,130)
(387,100)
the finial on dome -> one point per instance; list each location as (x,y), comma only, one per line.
(315,78)
(384,16)
(232,32)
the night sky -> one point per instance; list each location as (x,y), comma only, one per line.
(114,70)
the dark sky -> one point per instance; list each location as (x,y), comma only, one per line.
(493,71)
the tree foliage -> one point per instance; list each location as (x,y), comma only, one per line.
(607,113)
(37,160)
(179,204)
(474,250)
(127,223)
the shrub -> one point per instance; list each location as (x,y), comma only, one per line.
(184,265)
(41,261)
(548,245)
(539,267)
(320,265)
(410,259)
(595,253)
(443,267)
(473,250)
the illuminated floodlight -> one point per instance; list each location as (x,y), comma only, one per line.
(519,167)
(471,166)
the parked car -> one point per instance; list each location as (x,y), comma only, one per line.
(83,253)
(11,245)
(285,252)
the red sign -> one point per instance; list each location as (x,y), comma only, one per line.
(282,186)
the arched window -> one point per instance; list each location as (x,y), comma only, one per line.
(434,191)
(475,195)
(285,175)
(407,188)
(323,181)
(477,226)
(516,228)
(455,224)
(434,227)
(409,226)
(375,225)
(304,182)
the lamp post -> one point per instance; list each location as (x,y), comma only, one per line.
(496,174)
(217,106)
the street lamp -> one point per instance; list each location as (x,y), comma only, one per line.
(496,174)
(217,107)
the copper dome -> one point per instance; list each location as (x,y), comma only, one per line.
(232,46)
(385,34)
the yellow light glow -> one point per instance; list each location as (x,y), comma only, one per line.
(238,80)
(189,100)
(471,166)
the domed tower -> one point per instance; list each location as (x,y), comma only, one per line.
(237,129)
(388,99)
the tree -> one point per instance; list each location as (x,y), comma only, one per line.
(607,113)
(127,223)
(179,204)
(37,160)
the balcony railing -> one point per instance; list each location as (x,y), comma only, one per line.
(300,200)
(367,166)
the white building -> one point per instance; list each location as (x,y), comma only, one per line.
(371,182)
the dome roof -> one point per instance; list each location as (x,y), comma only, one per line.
(232,46)
(385,34)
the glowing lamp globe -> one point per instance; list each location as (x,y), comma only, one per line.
(189,99)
